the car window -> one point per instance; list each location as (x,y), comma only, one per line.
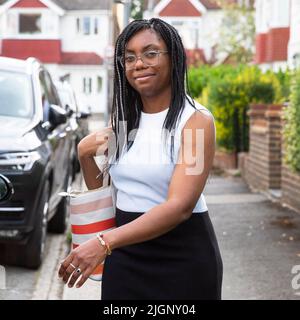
(45,96)
(15,95)
(53,95)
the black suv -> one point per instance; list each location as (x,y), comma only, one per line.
(37,148)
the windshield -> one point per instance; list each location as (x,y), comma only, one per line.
(15,95)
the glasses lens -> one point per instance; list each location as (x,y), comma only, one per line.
(130,61)
(150,58)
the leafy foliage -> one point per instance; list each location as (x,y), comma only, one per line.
(291,130)
(228,91)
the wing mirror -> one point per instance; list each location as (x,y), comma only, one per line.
(57,115)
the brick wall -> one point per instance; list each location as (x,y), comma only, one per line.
(263,163)
(225,160)
(290,186)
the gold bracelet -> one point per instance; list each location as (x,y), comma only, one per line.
(103,243)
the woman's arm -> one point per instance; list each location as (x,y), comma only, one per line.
(186,186)
(93,144)
(90,171)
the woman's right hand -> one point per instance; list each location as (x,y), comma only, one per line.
(95,144)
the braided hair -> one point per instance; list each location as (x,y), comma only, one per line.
(127,103)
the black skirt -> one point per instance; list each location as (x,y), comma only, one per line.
(185,264)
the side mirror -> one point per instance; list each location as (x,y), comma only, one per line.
(83,115)
(57,115)
(6,188)
(70,111)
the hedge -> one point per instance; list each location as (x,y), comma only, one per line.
(291,129)
(228,91)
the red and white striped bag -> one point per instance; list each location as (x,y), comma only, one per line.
(91,212)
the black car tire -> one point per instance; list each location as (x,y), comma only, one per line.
(31,254)
(59,222)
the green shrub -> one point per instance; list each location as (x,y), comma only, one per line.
(201,77)
(229,100)
(228,91)
(284,78)
(291,130)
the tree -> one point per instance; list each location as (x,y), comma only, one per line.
(137,9)
(237,33)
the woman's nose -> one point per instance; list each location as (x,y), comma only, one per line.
(139,63)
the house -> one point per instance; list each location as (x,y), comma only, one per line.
(73,38)
(277,34)
(197,21)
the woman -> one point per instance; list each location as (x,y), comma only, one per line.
(164,246)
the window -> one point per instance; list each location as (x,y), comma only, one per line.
(177,23)
(99,84)
(45,97)
(86,25)
(15,95)
(87,85)
(30,23)
(96,26)
(78,25)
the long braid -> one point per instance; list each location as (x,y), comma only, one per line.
(127,104)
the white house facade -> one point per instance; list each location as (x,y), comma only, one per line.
(277,34)
(71,37)
(197,21)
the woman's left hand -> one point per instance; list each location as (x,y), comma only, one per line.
(82,261)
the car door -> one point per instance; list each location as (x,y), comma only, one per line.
(60,140)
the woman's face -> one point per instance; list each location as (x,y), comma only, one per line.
(148,80)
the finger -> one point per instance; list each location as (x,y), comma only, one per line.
(69,271)
(76,274)
(65,264)
(84,277)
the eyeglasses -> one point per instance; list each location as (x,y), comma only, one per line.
(149,58)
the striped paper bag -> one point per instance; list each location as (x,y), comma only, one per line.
(91,212)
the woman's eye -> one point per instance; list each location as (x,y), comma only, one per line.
(151,54)
(129,58)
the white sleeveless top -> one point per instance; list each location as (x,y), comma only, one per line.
(143,174)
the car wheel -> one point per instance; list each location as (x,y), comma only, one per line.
(59,222)
(32,253)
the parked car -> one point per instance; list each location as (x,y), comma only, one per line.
(79,118)
(6,188)
(36,152)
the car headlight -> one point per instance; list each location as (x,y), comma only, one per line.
(22,161)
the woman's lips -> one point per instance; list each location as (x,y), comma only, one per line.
(144,78)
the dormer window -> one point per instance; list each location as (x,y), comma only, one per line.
(29,23)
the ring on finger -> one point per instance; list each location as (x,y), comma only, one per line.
(72,265)
(78,270)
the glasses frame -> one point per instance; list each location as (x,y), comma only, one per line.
(141,58)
